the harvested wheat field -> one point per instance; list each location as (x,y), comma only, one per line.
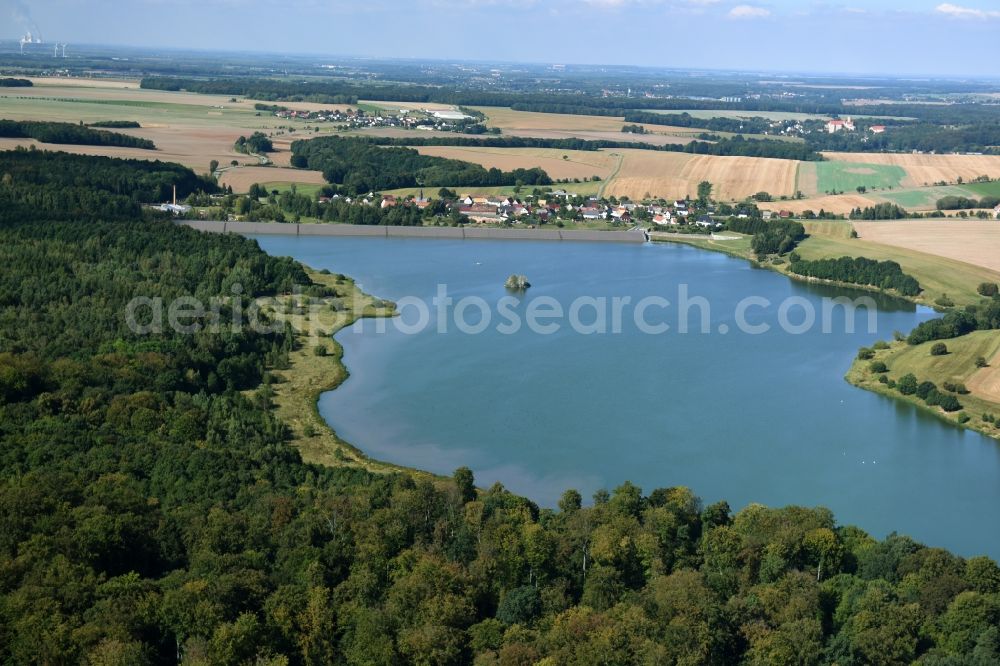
(672,175)
(241,179)
(196,157)
(558,164)
(924,170)
(569,126)
(974,242)
(840,204)
(985,383)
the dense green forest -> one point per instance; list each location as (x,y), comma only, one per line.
(154,513)
(78,188)
(256,143)
(15,83)
(775,237)
(69,133)
(116,124)
(359,166)
(886,275)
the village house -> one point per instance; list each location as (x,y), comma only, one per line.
(664,219)
(388,201)
(593,213)
(877,129)
(707,222)
(996,213)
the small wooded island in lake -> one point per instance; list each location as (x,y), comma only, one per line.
(518,283)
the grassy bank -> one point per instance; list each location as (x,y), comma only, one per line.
(316,366)
(956,367)
(937,276)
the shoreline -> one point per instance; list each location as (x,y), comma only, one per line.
(386,231)
(858,375)
(333,447)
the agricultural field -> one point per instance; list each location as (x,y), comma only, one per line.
(841,204)
(672,175)
(188,128)
(275,178)
(591,128)
(938,274)
(925,170)
(974,242)
(822,177)
(559,164)
(926,198)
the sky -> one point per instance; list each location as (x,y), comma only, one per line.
(876,37)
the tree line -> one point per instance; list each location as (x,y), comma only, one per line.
(358,166)
(115,124)
(70,134)
(572,102)
(961,203)
(79,188)
(769,237)
(754,125)
(885,275)
(154,511)
(882,211)
(984,316)
(736,146)
(7,82)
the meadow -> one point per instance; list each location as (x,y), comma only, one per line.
(822,177)
(559,164)
(925,170)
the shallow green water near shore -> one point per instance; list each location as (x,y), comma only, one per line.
(747,418)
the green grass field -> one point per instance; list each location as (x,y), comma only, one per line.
(937,275)
(991,189)
(925,198)
(955,367)
(848,176)
(310,189)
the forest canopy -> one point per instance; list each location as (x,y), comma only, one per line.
(70,134)
(153,509)
(38,184)
(360,166)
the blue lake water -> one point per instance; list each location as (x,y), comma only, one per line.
(747,418)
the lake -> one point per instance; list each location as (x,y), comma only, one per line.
(743,417)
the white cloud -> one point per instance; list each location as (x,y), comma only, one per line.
(966,12)
(748,12)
